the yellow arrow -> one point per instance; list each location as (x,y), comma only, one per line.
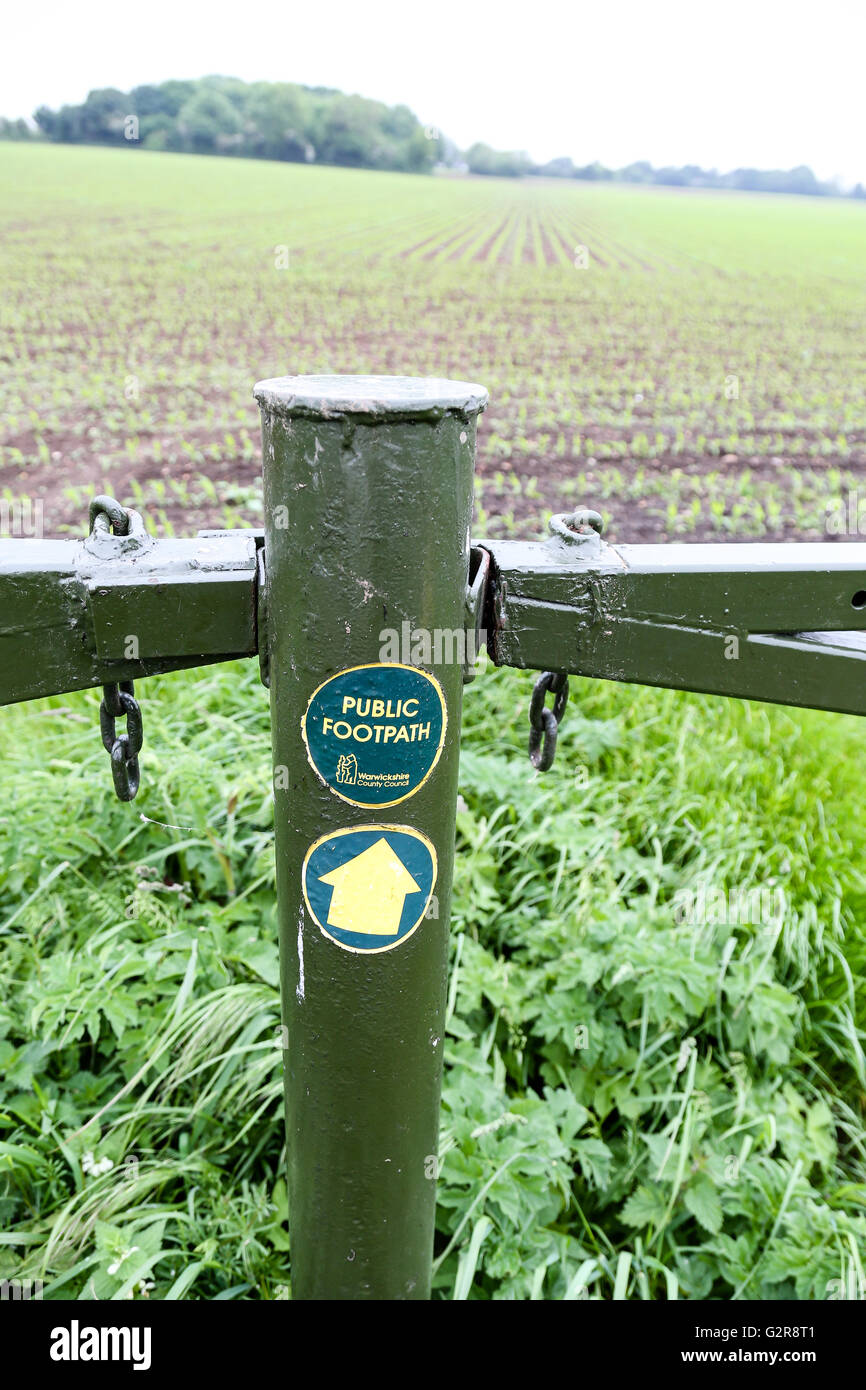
(369,891)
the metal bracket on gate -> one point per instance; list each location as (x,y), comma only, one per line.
(783,623)
(112,608)
(476,607)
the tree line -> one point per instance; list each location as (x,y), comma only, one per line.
(288,121)
(798,180)
(264,120)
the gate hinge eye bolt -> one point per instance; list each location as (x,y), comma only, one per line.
(583,520)
(580,527)
(115,531)
(116,516)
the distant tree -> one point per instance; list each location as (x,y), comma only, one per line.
(689,176)
(276,117)
(675,178)
(151,101)
(208,121)
(232,88)
(399,122)
(594,171)
(157,108)
(561,168)
(48,121)
(641,171)
(798,180)
(420,153)
(358,132)
(17,130)
(175,93)
(482,159)
(63,125)
(103,115)
(802,180)
(159,133)
(349,131)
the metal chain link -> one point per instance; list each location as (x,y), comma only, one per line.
(118,701)
(544,723)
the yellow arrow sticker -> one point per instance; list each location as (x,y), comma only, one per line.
(369,888)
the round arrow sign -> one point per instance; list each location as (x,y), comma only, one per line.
(369,888)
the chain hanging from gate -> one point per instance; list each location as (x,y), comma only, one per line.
(583,528)
(544,722)
(118,701)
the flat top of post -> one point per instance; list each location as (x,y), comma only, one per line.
(419,396)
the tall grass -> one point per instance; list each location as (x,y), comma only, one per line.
(637,1104)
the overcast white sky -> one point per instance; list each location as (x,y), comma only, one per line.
(676,81)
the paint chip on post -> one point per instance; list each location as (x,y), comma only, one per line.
(300,986)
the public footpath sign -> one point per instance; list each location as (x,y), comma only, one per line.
(374,733)
(369,888)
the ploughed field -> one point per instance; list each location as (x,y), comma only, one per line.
(692,364)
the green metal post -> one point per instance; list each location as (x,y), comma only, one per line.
(368,495)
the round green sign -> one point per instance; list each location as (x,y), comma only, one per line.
(374,733)
(369,887)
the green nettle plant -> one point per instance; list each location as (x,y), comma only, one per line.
(640,1101)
